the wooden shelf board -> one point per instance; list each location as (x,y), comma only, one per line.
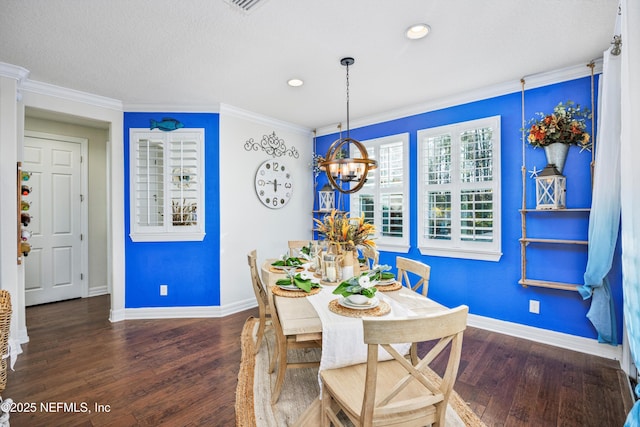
(557,210)
(548,284)
(560,241)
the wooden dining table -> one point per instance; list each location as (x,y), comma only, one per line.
(299,318)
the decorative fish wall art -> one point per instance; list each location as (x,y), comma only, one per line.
(167,124)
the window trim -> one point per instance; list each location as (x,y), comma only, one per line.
(389,244)
(167,232)
(456,248)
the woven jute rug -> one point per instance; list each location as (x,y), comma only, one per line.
(298,404)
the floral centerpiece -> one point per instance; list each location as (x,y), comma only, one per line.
(344,235)
(347,232)
(567,124)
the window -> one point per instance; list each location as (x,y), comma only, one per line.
(166,185)
(384,199)
(459,190)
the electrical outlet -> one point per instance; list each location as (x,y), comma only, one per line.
(534,306)
(164,289)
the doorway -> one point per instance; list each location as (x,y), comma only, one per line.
(55,270)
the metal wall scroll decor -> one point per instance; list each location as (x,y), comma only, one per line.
(272,145)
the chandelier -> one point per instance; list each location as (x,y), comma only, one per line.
(347,174)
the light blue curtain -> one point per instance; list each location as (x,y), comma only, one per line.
(630,155)
(604,220)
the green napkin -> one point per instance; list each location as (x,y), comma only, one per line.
(304,284)
(352,286)
(289,262)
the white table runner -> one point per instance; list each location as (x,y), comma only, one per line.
(343,337)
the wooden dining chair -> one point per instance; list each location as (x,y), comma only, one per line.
(284,344)
(295,247)
(397,392)
(413,274)
(260,291)
(372,255)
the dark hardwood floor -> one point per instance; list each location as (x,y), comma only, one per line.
(183,372)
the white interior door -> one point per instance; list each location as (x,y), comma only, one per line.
(53,268)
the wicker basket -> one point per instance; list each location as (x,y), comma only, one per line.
(5,321)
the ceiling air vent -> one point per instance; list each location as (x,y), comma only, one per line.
(245,5)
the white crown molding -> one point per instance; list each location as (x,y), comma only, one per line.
(532,81)
(229,110)
(562,75)
(544,336)
(155,108)
(13,72)
(70,95)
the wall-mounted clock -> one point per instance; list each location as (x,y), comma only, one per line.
(274,184)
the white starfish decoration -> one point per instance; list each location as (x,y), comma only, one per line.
(533,173)
(587,148)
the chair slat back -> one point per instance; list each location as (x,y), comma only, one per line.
(295,247)
(275,318)
(447,328)
(413,274)
(258,287)
(372,255)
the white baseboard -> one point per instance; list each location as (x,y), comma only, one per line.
(184,312)
(544,336)
(116,315)
(171,312)
(558,339)
(95,291)
(22,336)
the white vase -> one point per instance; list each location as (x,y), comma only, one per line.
(347,272)
(556,154)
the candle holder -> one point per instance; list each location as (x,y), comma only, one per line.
(330,268)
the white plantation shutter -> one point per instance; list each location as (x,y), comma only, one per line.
(384,199)
(459,190)
(148,164)
(185,185)
(167,176)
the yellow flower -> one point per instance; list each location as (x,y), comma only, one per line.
(349,232)
(567,124)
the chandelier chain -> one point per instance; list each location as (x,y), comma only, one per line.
(348,127)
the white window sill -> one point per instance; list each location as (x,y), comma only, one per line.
(167,237)
(462,253)
(389,247)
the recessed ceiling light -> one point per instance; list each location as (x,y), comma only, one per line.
(418,31)
(295,82)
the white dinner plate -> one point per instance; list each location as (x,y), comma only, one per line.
(348,304)
(386,281)
(285,267)
(289,287)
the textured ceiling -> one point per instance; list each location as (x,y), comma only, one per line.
(200,53)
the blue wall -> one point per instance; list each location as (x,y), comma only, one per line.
(191,269)
(491,289)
